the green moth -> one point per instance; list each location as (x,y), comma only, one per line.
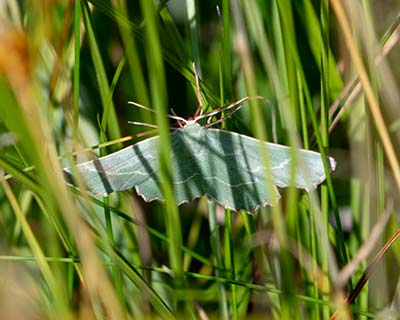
(224,166)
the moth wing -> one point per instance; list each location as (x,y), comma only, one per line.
(232,172)
(303,168)
(134,166)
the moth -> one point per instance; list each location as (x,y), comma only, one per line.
(224,166)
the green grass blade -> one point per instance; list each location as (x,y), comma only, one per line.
(109,121)
(159,100)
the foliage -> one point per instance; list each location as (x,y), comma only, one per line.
(67,72)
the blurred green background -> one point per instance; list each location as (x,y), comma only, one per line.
(67,72)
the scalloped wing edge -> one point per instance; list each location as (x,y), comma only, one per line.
(225,206)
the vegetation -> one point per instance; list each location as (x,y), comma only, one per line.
(67,71)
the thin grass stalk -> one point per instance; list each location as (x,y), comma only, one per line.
(109,115)
(281,85)
(301,79)
(281,70)
(191,12)
(242,47)
(60,306)
(323,232)
(380,205)
(375,83)
(263,267)
(18,102)
(172,38)
(312,27)
(217,253)
(107,214)
(230,259)
(159,99)
(19,174)
(293,55)
(56,200)
(132,57)
(367,204)
(153,232)
(194,236)
(225,80)
(75,125)
(352,88)
(67,243)
(135,277)
(285,43)
(47,188)
(182,63)
(377,153)
(226,55)
(308,238)
(215,241)
(311,113)
(124,268)
(117,277)
(366,85)
(274,62)
(324,89)
(76,84)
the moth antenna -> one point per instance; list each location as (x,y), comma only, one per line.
(141,106)
(199,110)
(142,124)
(173,112)
(181,121)
(173,116)
(173,127)
(235,105)
(210,124)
